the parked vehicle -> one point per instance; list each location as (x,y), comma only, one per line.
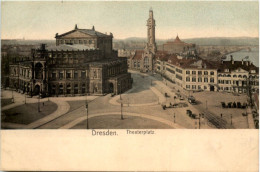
(188,112)
(239,105)
(194,116)
(223,104)
(244,114)
(191,100)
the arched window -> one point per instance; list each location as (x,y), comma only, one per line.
(234,76)
(76,89)
(61,89)
(68,88)
(53,89)
(83,89)
(239,76)
(146,61)
(244,76)
(38,71)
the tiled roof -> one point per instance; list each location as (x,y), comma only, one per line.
(187,63)
(177,41)
(91,32)
(245,65)
(65,47)
(138,55)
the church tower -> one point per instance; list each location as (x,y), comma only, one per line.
(151,45)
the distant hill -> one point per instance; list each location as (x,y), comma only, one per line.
(26,42)
(140,42)
(224,41)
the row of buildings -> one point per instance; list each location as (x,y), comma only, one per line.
(82,62)
(179,62)
(198,74)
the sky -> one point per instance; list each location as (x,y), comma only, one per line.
(188,19)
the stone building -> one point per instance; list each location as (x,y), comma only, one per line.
(197,74)
(238,76)
(143,60)
(178,46)
(82,62)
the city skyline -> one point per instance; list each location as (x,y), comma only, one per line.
(203,19)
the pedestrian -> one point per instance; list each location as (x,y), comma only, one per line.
(221,115)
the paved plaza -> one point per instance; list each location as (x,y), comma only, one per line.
(141,108)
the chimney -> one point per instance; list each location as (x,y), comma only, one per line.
(43,46)
(76,26)
(242,62)
(232,59)
(93,28)
(247,63)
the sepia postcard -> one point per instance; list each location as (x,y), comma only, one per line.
(130,85)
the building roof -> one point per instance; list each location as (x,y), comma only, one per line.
(187,63)
(198,63)
(108,62)
(91,32)
(138,55)
(177,41)
(245,65)
(67,47)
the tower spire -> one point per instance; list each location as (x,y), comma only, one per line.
(151,45)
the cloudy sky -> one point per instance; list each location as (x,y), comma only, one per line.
(42,20)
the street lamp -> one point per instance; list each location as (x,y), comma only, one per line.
(39,103)
(231,118)
(87,113)
(199,120)
(121,102)
(174,117)
(12,95)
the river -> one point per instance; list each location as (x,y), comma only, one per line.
(253,55)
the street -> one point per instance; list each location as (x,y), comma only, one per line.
(141,108)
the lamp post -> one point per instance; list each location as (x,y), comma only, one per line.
(87,113)
(39,103)
(174,117)
(206,105)
(121,102)
(24,98)
(231,119)
(12,95)
(199,120)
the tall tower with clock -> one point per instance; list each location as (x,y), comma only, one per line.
(151,45)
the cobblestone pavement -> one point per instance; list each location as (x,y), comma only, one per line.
(143,101)
(19,99)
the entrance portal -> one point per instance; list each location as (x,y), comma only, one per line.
(111,88)
(212,88)
(37,90)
